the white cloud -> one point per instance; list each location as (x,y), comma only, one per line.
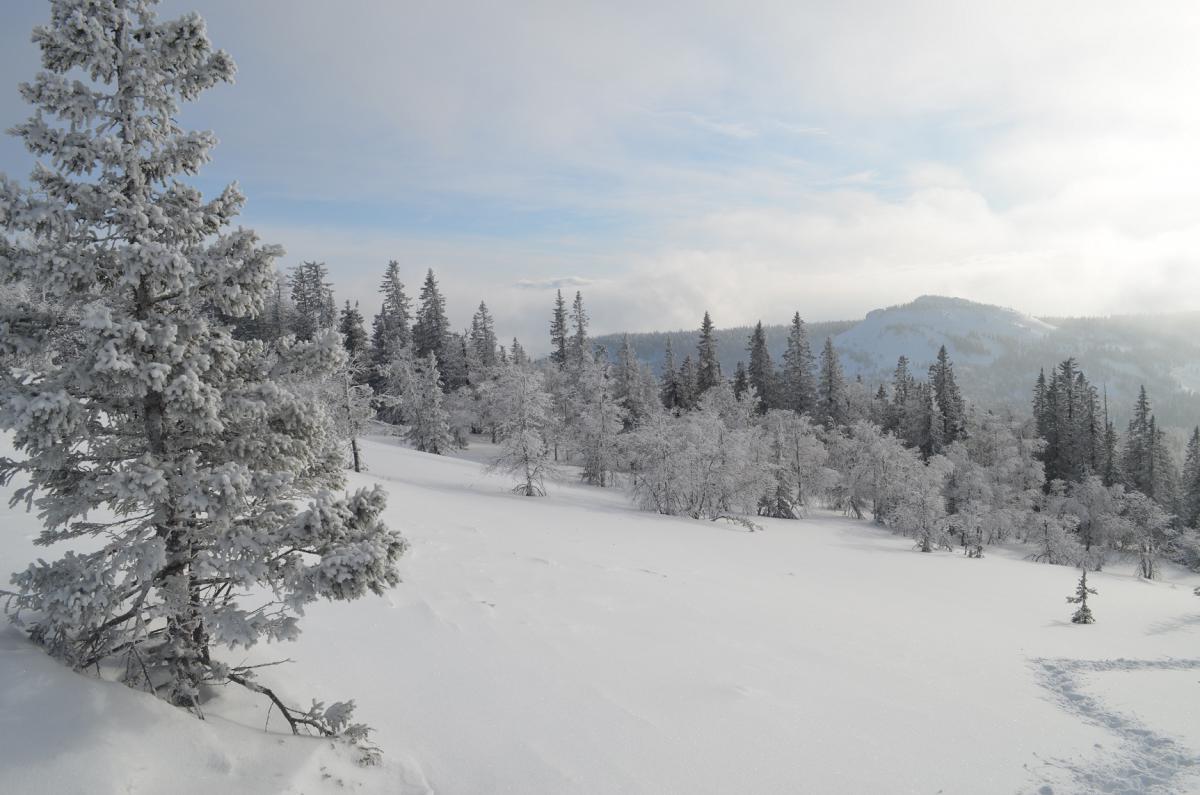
(751,158)
(556,283)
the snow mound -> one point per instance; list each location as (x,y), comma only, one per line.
(67,733)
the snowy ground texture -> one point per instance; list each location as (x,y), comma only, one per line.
(574,645)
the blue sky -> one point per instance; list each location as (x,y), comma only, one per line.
(750,158)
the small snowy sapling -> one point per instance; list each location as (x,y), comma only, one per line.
(1084,614)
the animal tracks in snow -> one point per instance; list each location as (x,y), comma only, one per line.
(1144,760)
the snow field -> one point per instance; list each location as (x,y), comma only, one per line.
(571,644)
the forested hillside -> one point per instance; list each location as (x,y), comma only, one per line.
(998,352)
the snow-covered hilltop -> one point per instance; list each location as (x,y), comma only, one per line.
(973,333)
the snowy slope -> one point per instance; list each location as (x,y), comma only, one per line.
(974,334)
(573,645)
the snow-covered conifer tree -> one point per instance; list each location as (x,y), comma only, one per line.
(798,381)
(354,337)
(313,308)
(950,405)
(831,389)
(198,444)
(903,385)
(1189,486)
(455,362)
(558,332)
(482,337)
(1084,614)
(390,329)
(428,421)
(392,325)
(522,408)
(668,392)
(708,368)
(517,353)
(578,349)
(688,388)
(741,380)
(431,331)
(625,378)
(761,372)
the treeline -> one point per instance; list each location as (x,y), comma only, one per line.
(774,437)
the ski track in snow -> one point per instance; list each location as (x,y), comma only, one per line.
(1144,762)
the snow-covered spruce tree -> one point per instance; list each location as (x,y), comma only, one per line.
(196,445)
(558,332)
(579,350)
(950,405)
(741,380)
(273,321)
(635,388)
(708,368)
(522,408)
(431,330)
(831,389)
(1084,614)
(668,390)
(798,381)
(482,337)
(354,338)
(428,421)
(517,354)
(454,364)
(761,372)
(687,387)
(312,300)
(390,329)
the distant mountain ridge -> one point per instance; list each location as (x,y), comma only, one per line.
(972,333)
(997,351)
